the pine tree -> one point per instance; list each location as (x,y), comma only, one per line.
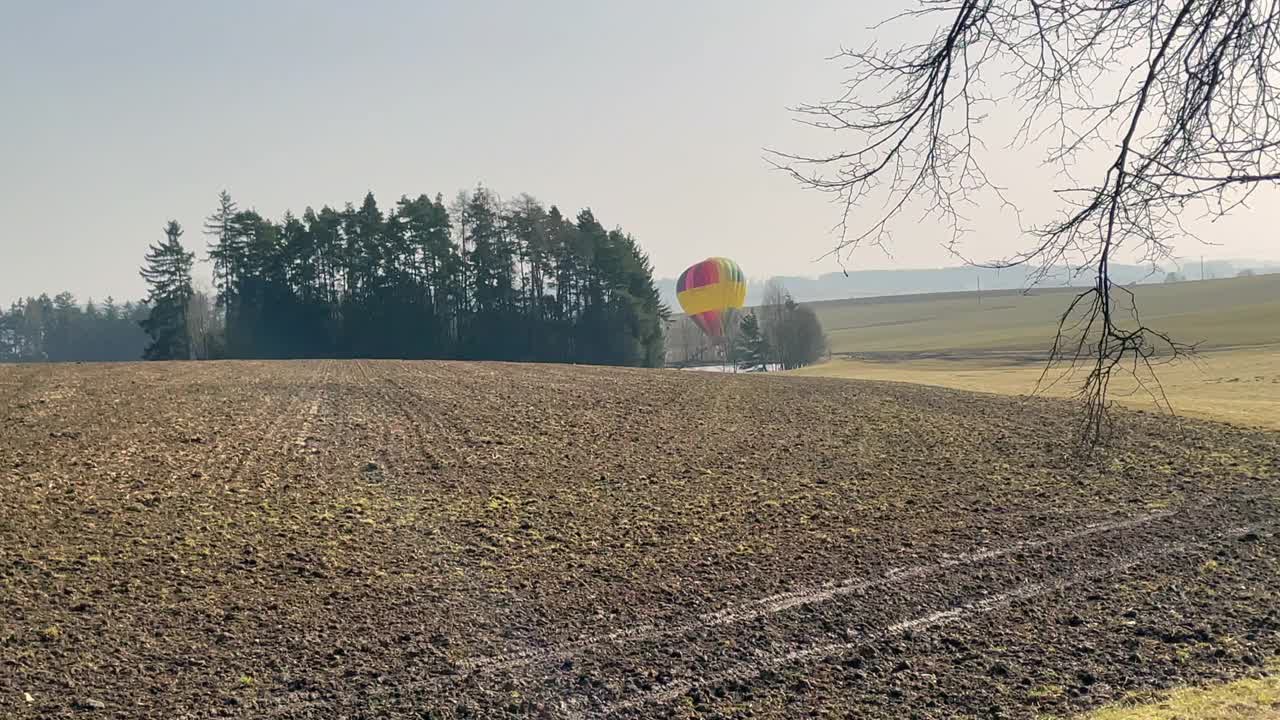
(753,346)
(168,272)
(61,333)
(227,249)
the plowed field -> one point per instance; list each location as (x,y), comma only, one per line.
(395,539)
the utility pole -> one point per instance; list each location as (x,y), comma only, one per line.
(979,289)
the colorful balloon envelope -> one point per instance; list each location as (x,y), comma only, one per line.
(709,292)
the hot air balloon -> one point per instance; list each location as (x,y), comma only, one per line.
(709,292)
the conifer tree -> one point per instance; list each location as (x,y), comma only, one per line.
(753,346)
(168,273)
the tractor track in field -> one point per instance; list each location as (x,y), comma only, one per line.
(419,539)
(1025,583)
(957,612)
(763,607)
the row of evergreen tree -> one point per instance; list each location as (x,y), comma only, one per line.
(44,329)
(475,279)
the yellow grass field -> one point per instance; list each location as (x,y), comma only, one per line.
(1236,386)
(997,344)
(1248,699)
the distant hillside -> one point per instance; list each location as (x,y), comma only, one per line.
(1017,326)
(1216,313)
(873,283)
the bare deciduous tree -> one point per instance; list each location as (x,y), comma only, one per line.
(686,343)
(792,331)
(1180,96)
(772,313)
(203,324)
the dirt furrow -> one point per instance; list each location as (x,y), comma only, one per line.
(133,536)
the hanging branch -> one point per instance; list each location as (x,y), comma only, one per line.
(1188,112)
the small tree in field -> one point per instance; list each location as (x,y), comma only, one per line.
(793,333)
(168,273)
(802,336)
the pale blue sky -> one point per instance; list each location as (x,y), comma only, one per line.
(116,116)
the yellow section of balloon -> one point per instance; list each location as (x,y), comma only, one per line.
(709,291)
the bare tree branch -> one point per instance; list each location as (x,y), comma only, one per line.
(1183,92)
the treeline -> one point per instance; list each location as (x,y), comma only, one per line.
(44,329)
(474,279)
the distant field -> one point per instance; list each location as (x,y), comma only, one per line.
(1239,386)
(1218,313)
(998,345)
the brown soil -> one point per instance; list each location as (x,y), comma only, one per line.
(390,539)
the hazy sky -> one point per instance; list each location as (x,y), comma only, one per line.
(115,117)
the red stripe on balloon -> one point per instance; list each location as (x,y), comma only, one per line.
(712,272)
(709,322)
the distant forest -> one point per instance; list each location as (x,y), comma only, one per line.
(473,279)
(44,329)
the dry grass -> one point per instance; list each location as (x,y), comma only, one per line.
(992,345)
(1236,386)
(1250,699)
